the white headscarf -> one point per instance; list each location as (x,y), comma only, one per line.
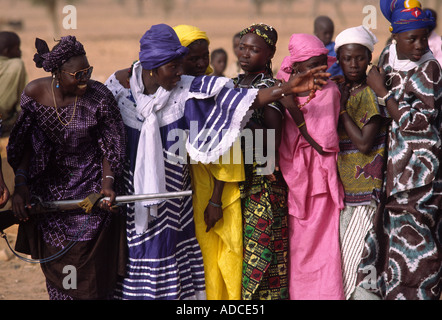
(359,35)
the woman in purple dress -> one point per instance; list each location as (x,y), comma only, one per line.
(68,143)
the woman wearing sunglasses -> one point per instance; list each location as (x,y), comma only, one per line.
(68,143)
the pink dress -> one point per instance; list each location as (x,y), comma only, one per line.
(315,199)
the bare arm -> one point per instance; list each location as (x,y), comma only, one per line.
(313,79)
(363,138)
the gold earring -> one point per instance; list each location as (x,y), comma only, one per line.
(151,74)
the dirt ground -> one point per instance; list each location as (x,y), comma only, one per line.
(110,31)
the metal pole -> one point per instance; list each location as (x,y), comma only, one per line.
(74,204)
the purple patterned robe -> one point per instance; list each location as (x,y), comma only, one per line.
(66,163)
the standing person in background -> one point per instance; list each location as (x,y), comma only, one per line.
(362,133)
(234,68)
(405,251)
(216,198)
(315,193)
(324,29)
(264,196)
(13,79)
(218,60)
(68,142)
(158,102)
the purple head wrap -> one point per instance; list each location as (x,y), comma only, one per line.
(160,45)
(66,48)
(406,15)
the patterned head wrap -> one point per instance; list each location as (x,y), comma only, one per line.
(160,45)
(189,34)
(66,48)
(406,15)
(268,33)
(302,47)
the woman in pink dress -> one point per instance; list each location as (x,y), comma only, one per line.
(315,191)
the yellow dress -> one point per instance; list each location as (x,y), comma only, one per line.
(221,247)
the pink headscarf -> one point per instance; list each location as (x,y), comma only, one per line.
(302,47)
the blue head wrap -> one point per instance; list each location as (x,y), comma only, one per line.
(160,45)
(406,15)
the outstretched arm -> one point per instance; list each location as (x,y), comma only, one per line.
(312,79)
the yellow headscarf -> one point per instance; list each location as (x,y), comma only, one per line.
(188,34)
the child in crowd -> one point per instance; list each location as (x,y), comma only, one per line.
(316,195)
(218,60)
(234,68)
(362,134)
(264,197)
(13,79)
(324,29)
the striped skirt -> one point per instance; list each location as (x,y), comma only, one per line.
(355,223)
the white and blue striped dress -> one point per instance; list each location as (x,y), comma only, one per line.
(165,262)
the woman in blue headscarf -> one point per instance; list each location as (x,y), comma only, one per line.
(168,116)
(406,248)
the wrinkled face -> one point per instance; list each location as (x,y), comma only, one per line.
(169,74)
(73,76)
(254,53)
(195,63)
(354,60)
(412,45)
(311,63)
(219,62)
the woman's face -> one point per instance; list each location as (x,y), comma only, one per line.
(169,74)
(354,60)
(313,62)
(195,63)
(254,53)
(74,75)
(411,45)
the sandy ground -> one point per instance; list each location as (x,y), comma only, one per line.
(110,30)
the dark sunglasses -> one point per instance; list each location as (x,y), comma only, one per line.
(81,74)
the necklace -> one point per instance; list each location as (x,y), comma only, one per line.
(310,97)
(355,87)
(55,105)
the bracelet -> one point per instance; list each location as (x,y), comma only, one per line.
(21,175)
(301,125)
(215,204)
(20,184)
(342,112)
(22,171)
(109,177)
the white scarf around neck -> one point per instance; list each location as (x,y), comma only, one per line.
(149,174)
